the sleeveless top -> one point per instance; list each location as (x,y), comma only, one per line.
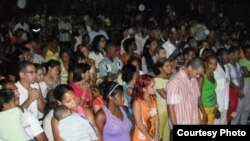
(208,96)
(64,75)
(115,129)
(147,114)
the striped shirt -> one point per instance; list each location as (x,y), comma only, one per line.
(183,93)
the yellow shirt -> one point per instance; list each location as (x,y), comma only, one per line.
(51,55)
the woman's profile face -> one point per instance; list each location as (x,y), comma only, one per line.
(69,100)
(119,99)
(150,89)
(13,88)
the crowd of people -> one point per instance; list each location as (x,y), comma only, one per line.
(69,80)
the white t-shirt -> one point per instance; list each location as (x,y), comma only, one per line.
(44,89)
(25,27)
(169,47)
(97,57)
(76,128)
(33,107)
(30,124)
(38,59)
(47,127)
(64,37)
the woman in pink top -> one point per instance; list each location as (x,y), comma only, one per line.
(81,86)
(65,95)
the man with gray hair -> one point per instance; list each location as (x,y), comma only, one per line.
(183,95)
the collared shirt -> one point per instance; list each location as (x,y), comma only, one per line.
(222,89)
(107,65)
(183,93)
(234,73)
(24,94)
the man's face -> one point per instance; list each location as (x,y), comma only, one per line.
(29,74)
(247,54)
(195,73)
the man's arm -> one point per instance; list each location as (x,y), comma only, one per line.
(204,114)
(172,115)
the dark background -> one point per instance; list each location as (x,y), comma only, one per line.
(235,9)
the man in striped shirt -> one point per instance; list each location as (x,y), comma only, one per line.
(183,95)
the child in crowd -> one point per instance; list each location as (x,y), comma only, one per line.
(72,126)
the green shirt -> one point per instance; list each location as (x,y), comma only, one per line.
(246,63)
(10,126)
(208,96)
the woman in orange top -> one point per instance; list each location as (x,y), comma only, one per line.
(145,109)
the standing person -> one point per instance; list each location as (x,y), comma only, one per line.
(97,51)
(51,103)
(84,50)
(13,116)
(183,95)
(129,47)
(65,95)
(222,78)
(64,63)
(40,85)
(30,97)
(72,126)
(162,72)
(8,84)
(112,120)
(148,55)
(81,85)
(207,85)
(52,77)
(129,75)
(160,53)
(98,100)
(36,58)
(243,108)
(65,29)
(145,109)
(24,27)
(110,66)
(236,82)
(188,54)
(51,50)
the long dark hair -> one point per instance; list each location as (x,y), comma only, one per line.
(111,89)
(60,90)
(95,44)
(148,58)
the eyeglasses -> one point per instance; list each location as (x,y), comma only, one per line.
(31,72)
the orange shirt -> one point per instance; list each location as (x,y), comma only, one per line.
(147,120)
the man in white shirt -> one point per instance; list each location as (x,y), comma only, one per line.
(170,45)
(65,30)
(222,78)
(30,98)
(24,26)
